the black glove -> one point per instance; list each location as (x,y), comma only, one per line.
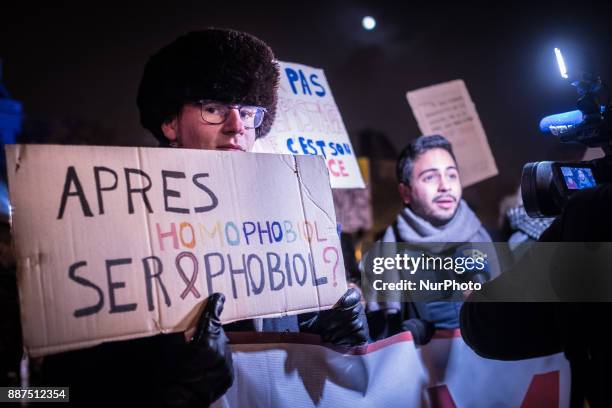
(383,324)
(205,371)
(422,330)
(344,324)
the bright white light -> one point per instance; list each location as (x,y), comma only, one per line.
(561,63)
(368,23)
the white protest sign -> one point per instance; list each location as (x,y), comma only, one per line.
(117,243)
(294,370)
(447,109)
(308,122)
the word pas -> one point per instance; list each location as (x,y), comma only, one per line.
(305,83)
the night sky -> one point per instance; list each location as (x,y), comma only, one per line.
(82,63)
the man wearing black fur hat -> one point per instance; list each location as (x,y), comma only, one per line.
(215,90)
(211,89)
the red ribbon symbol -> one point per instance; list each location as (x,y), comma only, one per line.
(190,283)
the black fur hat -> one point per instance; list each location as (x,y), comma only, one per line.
(218,64)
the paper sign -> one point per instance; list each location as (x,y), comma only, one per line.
(118,243)
(291,371)
(447,109)
(309,122)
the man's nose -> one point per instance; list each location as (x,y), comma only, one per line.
(233,124)
(444,184)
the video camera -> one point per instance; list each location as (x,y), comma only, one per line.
(546,186)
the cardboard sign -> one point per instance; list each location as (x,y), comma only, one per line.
(118,243)
(447,109)
(308,122)
(293,370)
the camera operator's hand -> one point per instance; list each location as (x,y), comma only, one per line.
(205,367)
(344,324)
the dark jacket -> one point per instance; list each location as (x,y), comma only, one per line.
(140,371)
(512,331)
(386,318)
(128,372)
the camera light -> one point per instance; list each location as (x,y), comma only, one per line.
(561,63)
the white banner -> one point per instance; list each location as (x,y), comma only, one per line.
(295,370)
(308,122)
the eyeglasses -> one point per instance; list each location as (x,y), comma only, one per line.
(216,113)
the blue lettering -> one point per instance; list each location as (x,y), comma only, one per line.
(247,233)
(290,146)
(277,235)
(292,76)
(295,269)
(303,145)
(305,87)
(315,281)
(256,289)
(311,146)
(275,270)
(263,232)
(239,271)
(321,144)
(321,91)
(208,269)
(332,146)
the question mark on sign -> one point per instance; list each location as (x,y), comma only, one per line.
(335,251)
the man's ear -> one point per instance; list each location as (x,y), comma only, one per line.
(404,191)
(170,129)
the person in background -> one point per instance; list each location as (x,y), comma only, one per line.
(434,213)
(519,229)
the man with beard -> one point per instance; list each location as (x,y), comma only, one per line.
(438,222)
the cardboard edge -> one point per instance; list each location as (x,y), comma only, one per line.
(331,216)
(282,314)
